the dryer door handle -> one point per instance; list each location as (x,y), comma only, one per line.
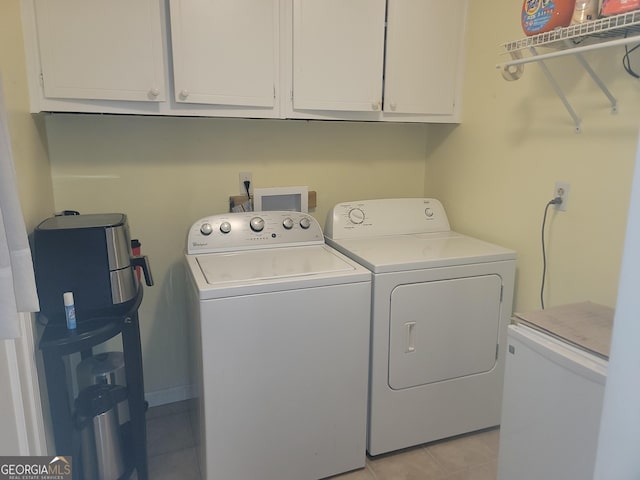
(410,344)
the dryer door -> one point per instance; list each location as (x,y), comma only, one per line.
(443,329)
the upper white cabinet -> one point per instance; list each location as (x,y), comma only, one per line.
(374,60)
(225,52)
(423,52)
(92,49)
(338,54)
(389,60)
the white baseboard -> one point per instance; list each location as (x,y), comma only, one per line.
(170,395)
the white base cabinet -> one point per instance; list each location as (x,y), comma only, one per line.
(371,60)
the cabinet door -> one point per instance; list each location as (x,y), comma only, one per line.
(424,43)
(338,54)
(225,51)
(102,50)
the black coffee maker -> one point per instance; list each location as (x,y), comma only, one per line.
(91,256)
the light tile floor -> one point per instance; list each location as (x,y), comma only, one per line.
(172,454)
(171,444)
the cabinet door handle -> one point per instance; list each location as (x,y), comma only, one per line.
(375,106)
(393,107)
(154,92)
(184,94)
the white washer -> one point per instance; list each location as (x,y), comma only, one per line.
(281,328)
(440,309)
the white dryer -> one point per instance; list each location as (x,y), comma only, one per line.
(440,309)
(280,340)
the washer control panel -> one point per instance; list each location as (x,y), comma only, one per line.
(394,216)
(250,230)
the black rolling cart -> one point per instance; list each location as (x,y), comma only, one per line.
(57,342)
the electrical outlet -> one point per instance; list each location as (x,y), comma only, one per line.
(245,177)
(562,191)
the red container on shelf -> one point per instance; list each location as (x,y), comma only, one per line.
(539,16)
(614,7)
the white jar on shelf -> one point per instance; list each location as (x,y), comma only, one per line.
(585,11)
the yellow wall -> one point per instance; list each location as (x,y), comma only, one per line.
(165,173)
(28,139)
(496,171)
(34,184)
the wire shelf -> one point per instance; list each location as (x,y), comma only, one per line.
(622,29)
(624,24)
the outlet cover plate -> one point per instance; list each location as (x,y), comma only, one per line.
(562,191)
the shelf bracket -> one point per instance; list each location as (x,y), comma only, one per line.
(513,71)
(559,92)
(594,76)
(569,41)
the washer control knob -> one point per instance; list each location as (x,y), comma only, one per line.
(287,223)
(428,212)
(256,224)
(225,227)
(356,215)
(305,222)
(206,229)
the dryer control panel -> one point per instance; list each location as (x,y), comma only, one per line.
(250,230)
(394,216)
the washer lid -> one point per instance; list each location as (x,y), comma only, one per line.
(395,253)
(259,265)
(273,269)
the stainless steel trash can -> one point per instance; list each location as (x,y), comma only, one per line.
(100,437)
